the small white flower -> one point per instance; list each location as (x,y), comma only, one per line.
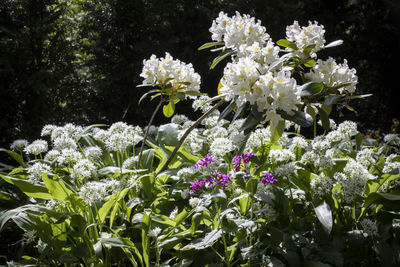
(173,213)
(63,142)
(19,144)
(83,169)
(130,163)
(393,139)
(391,164)
(154,232)
(68,156)
(93,153)
(221,146)
(194,202)
(35,171)
(47,130)
(179,119)
(366,157)
(278,156)
(322,185)
(52,155)
(37,147)
(93,191)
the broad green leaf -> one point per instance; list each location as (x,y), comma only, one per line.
(249,124)
(311,89)
(29,189)
(288,44)
(169,109)
(310,63)
(277,130)
(57,188)
(113,241)
(227,110)
(147,159)
(211,44)
(168,135)
(324,215)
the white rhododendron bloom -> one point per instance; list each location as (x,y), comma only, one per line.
(36,147)
(173,72)
(332,74)
(305,36)
(238,30)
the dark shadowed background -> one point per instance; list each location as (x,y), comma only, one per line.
(79,60)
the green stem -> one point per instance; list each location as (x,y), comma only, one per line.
(199,120)
(162,100)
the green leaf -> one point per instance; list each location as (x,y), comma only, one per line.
(211,44)
(57,188)
(249,124)
(324,119)
(277,131)
(169,109)
(310,89)
(167,135)
(146,94)
(113,242)
(227,110)
(324,215)
(331,99)
(220,58)
(288,44)
(310,63)
(147,159)
(298,117)
(205,242)
(31,190)
(15,156)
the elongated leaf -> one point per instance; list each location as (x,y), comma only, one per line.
(147,159)
(310,89)
(277,130)
(208,45)
(113,242)
(324,119)
(298,117)
(205,242)
(288,44)
(227,110)
(220,58)
(15,156)
(29,189)
(146,94)
(324,215)
(249,124)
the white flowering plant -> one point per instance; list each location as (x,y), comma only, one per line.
(282,81)
(213,191)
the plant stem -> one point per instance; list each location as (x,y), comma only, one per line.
(147,130)
(187,133)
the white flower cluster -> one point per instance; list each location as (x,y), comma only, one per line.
(392,139)
(169,71)
(238,32)
(19,144)
(322,185)
(351,187)
(36,147)
(83,169)
(35,172)
(119,136)
(97,191)
(391,163)
(369,227)
(303,37)
(332,74)
(366,157)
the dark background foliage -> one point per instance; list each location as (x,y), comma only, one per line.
(79,60)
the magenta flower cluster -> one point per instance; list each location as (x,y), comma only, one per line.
(244,158)
(218,179)
(208,160)
(268,178)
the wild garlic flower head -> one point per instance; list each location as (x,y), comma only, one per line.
(19,145)
(221,146)
(202,103)
(366,157)
(238,30)
(258,138)
(68,156)
(392,162)
(36,147)
(179,119)
(351,187)
(369,227)
(130,163)
(70,130)
(83,169)
(193,142)
(215,132)
(101,135)
(277,156)
(93,153)
(92,192)
(332,74)
(322,185)
(305,36)
(356,169)
(35,172)
(154,232)
(63,142)
(169,71)
(47,130)
(120,136)
(186,173)
(286,170)
(52,155)
(298,142)
(392,139)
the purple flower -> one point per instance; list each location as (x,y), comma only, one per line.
(268,178)
(196,186)
(245,158)
(208,159)
(222,179)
